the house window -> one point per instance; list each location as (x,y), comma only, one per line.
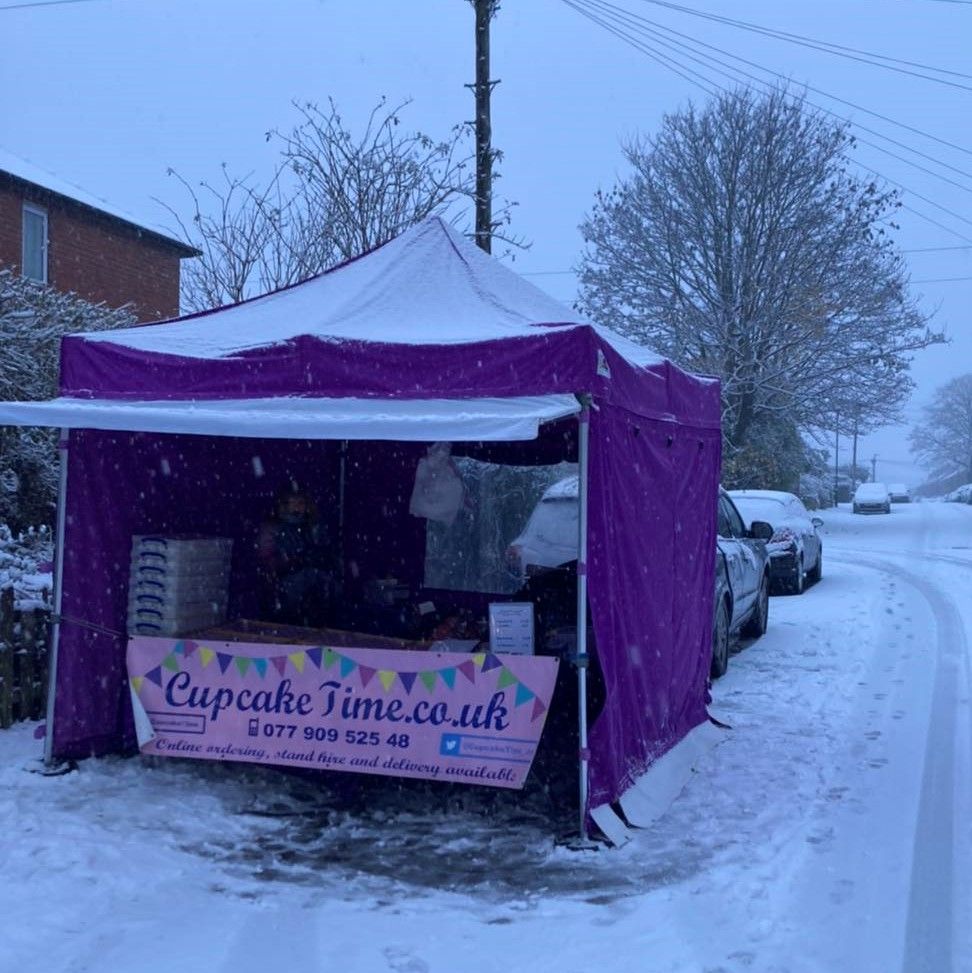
(34,262)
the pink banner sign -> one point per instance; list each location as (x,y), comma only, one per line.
(472,719)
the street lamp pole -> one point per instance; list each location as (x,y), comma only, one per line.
(836,455)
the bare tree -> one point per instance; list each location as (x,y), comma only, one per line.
(742,246)
(332,195)
(942,439)
(33,319)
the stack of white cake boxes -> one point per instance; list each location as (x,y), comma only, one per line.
(179,584)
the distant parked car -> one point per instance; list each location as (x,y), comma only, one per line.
(962,494)
(741,606)
(741,601)
(795,550)
(872,498)
(899,493)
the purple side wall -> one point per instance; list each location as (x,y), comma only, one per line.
(652,559)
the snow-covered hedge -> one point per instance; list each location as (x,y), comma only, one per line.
(33,319)
(26,565)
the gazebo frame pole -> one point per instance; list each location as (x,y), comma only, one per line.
(583,436)
(58,592)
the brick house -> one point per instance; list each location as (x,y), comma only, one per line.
(58,234)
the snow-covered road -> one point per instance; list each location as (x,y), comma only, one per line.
(829,832)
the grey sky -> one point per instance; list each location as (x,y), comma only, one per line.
(109,93)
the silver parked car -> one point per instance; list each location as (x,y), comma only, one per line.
(872,498)
(899,493)
(795,549)
(741,606)
(741,595)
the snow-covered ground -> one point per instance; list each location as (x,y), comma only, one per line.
(830,831)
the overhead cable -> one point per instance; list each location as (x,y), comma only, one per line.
(593,10)
(827,47)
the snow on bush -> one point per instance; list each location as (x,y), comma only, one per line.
(26,562)
(33,319)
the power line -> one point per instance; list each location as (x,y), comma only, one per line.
(819,91)
(925,280)
(928,219)
(815,44)
(42,3)
(584,7)
(936,249)
(691,44)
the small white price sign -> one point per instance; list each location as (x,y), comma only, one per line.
(511,627)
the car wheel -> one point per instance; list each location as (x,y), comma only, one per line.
(720,641)
(796,585)
(817,573)
(759,619)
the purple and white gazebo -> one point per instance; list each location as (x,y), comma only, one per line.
(350,375)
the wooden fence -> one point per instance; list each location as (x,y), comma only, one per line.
(24,638)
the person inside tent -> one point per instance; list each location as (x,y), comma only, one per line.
(297,566)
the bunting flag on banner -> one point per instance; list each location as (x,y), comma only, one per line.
(523,694)
(506,678)
(323,657)
(408,680)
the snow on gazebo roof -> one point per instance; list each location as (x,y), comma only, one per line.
(428,286)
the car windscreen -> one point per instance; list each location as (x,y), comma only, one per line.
(760,508)
(550,536)
(871,491)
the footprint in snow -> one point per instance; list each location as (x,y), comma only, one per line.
(842,892)
(402,961)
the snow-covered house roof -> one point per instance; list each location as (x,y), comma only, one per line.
(25,171)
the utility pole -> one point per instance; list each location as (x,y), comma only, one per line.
(874,468)
(483,88)
(854,456)
(836,455)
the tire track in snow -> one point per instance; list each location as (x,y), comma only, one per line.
(930,930)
